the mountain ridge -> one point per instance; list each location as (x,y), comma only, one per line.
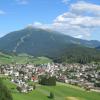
(40,42)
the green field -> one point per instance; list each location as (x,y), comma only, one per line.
(22,59)
(61,91)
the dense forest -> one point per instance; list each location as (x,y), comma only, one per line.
(78,54)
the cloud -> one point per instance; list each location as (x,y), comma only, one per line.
(22,2)
(2,12)
(41,25)
(65,1)
(84,7)
(80,20)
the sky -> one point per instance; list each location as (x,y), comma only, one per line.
(77,18)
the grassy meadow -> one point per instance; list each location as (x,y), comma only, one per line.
(61,92)
(22,59)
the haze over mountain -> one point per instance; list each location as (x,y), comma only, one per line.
(39,42)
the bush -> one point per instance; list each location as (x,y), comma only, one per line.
(18,88)
(51,95)
(34,86)
(97,84)
(50,81)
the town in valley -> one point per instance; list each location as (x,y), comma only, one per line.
(86,76)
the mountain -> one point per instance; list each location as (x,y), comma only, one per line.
(78,54)
(98,47)
(39,42)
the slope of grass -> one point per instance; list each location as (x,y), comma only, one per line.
(61,92)
(22,59)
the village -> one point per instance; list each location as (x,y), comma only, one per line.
(86,76)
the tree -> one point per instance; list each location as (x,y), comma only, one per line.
(34,86)
(51,95)
(4,92)
(97,84)
(50,81)
(18,88)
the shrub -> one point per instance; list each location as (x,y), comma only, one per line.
(50,81)
(51,95)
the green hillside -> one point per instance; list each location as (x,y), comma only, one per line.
(22,59)
(78,54)
(61,91)
(39,42)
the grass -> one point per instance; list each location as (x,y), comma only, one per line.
(22,59)
(61,91)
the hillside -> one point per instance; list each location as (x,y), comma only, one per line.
(78,54)
(22,59)
(98,47)
(39,42)
(62,92)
